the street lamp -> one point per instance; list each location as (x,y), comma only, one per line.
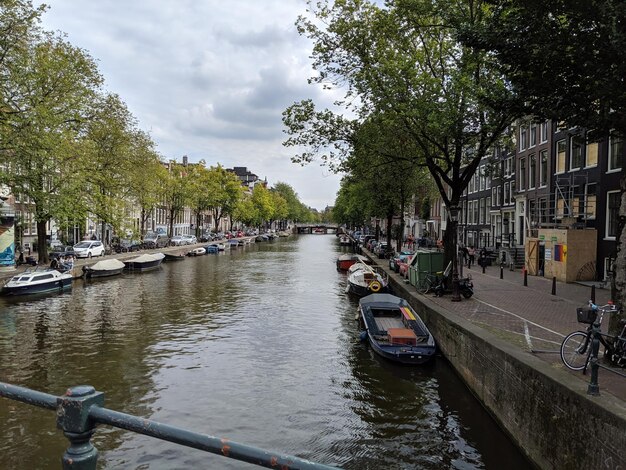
(454,217)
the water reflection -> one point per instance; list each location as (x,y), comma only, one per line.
(258,345)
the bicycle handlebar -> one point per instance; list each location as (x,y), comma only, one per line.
(610,307)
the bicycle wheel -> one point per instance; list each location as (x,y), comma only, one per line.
(575,350)
(424,286)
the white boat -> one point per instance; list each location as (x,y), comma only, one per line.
(145,262)
(364,280)
(37,281)
(221,246)
(104,268)
(200,251)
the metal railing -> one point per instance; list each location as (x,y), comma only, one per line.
(81,409)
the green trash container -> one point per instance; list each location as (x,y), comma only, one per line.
(424,262)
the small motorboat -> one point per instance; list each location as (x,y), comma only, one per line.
(394,330)
(37,281)
(364,280)
(199,251)
(344,240)
(145,262)
(104,268)
(211,249)
(221,247)
(232,243)
(174,256)
(345,261)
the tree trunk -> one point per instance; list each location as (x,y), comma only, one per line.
(389,232)
(449,242)
(42,245)
(171,227)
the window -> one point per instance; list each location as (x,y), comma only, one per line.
(574,202)
(481,211)
(576,152)
(488,206)
(544,132)
(512,165)
(507,167)
(494,194)
(560,156)
(522,174)
(476,211)
(532,172)
(543,168)
(590,201)
(471,185)
(612,213)
(616,151)
(533,135)
(506,193)
(592,154)
(543,210)
(512,199)
(522,138)
(482,178)
(560,207)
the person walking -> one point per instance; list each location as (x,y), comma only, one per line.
(471,253)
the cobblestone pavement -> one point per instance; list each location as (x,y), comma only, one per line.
(530,316)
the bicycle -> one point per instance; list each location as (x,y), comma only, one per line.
(429,282)
(576,347)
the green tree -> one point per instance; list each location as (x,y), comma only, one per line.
(567,61)
(263,204)
(405,62)
(51,89)
(177,191)
(224,192)
(108,161)
(201,201)
(146,177)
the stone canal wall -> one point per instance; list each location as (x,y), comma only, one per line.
(546,411)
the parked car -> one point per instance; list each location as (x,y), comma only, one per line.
(55,244)
(155,240)
(190,239)
(61,251)
(206,237)
(89,248)
(394,261)
(124,246)
(178,240)
(382,249)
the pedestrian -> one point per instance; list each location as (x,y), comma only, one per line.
(471,253)
(464,253)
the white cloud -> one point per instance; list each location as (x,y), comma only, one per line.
(207,79)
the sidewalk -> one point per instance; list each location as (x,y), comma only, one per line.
(530,317)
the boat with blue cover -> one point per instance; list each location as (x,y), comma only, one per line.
(395,330)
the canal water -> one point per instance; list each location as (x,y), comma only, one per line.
(258,345)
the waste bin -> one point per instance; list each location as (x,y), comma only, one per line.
(424,262)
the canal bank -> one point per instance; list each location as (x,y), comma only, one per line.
(545,409)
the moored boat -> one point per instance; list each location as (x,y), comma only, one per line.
(345,261)
(173,256)
(37,281)
(104,268)
(199,251)
(344,240)
(394,330)
(145,262)
(364,280)
(221,246)
(211,249)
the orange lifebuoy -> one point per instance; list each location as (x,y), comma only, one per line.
(375,286)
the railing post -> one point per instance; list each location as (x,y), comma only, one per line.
(73,418)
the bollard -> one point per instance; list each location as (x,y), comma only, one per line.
(484,264)
(73,418)
(593,294)
(554,285)
(525,278)
(501,272)
(594,388)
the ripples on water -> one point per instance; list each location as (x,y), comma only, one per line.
(259,346)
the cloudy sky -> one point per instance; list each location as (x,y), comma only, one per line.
(207,78)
